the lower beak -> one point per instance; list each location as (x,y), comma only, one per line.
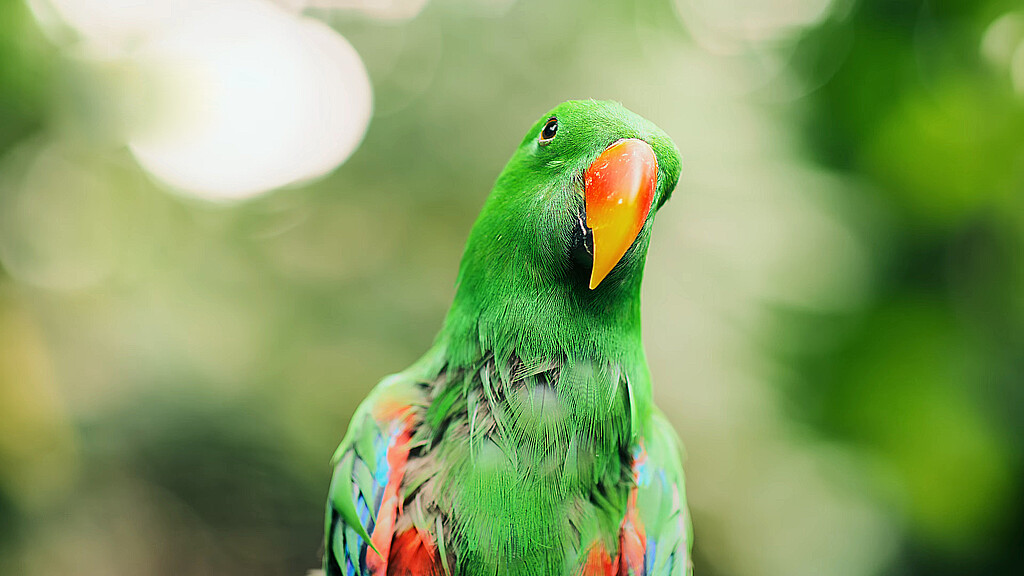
(619,189)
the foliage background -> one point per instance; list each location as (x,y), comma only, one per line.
(834,302)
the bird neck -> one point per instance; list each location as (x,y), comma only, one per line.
(537,321)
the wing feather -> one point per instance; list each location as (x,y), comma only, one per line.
(364,497)
(660,502)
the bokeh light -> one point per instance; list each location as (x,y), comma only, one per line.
(733,25)
(56,219)
(1003,46)
(255,99)
(223,100)
(383,9)
(113,25)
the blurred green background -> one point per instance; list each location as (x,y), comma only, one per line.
(834,300)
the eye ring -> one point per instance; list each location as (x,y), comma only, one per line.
(547,133)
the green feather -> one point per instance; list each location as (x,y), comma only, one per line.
(341,498)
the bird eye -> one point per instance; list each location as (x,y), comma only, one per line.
(547,134)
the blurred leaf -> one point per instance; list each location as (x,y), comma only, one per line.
(906,390)
(946,155)
(26,63)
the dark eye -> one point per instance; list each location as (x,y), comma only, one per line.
(547,134)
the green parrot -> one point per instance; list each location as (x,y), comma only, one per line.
(525,441)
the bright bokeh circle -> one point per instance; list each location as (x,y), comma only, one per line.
(256,98)
(224,100)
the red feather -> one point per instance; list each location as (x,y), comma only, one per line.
(384,529)
(599,563)
(632,541)
(413,554)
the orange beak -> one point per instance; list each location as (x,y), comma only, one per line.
(619,189)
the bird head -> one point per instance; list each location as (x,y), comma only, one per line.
(556,257)
(576,201)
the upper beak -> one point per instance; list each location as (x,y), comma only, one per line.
(619,189)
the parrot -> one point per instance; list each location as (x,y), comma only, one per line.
(525,441)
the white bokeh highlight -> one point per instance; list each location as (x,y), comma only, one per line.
(380,9)
(1002,45)
(112,25)
(227,99)
(264,100)
(728,26)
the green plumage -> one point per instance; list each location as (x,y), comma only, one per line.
(529,407)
